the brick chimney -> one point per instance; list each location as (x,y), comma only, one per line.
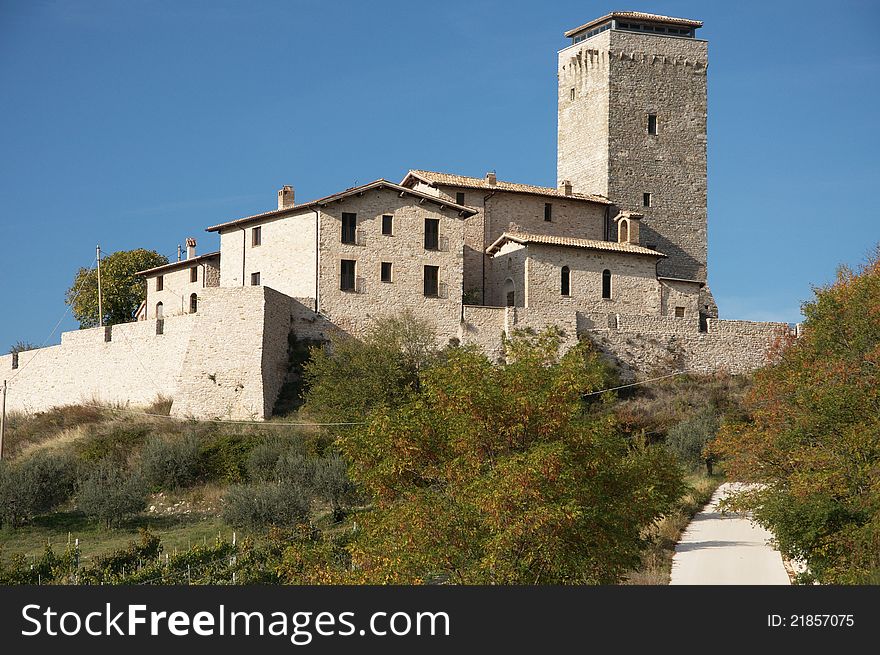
(190,248)
(491,179)
(285,197)
(565,187)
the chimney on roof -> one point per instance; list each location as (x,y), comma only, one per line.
(285,197)
(491,179)
(190,248)
(565,187)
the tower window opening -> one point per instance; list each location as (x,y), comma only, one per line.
(459,198)
(548,211)
(646,200)
(193,304)
(385,272)
(652,123)
(566,281)
(571,93)
(387,225)
(606,284)
(679,312)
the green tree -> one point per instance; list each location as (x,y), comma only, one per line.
(812,439)
(689,438)
(111,494)
(505,474)
(350,377)
(122,290)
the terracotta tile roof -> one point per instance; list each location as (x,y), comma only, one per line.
(183,263)
(546,239)
(377,184)
(636,15)
(449,179)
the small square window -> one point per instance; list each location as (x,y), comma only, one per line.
(459,198)
(256,236)
(646,200)
(548,212)
(194,274)
(160,282)
(387,225)
(652,123)
(255,279)
(386,272)
(679,312)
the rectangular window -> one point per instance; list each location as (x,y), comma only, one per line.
(646,200)
(386,272)
(346,275)
(255,279)
(387,225)
(548,212)
(256,236)
(194,274)
(349,226)
(160,282)
(459,198)
(652,123)
(432,234)
(571,93)
(432,280)
(679,312)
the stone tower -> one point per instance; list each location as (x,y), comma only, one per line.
(632,126)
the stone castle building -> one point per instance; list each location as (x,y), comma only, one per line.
(617,251)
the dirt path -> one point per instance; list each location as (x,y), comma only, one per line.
(721,549)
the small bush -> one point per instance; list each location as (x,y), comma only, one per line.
(33,486)
(262,459)
(687,440)
(114,441)
(224,457)
(110,494)
(332,484)
(264,504)
(295,467)
(170,463)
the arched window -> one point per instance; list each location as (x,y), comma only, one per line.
(566,281)
(623,236)
(606,283)
(193,304)
(159,308)
(509,293)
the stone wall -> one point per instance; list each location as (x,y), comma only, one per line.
(355,311)
(285,258)
(135,366)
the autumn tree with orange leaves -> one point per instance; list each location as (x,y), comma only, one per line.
(813,435)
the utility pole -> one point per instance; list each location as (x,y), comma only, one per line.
(3,420)
(100,305)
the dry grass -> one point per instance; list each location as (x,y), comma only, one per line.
(657,560)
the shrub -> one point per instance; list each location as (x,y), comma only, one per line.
(264,504)
(114,440)
(33,486)
(332,484)
(262,459)
(687,440)
(110,494)
(295,467)
(224,457)
(169,463)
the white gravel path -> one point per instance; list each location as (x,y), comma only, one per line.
(727,549)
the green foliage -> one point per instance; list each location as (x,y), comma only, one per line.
(349,378)
(331,483)
(169,463)
(33,486)
(224,457)
(265,503)
(689,438)
(22,346)
(122,290)
(490,473)
(812,437)
(113,441)
(110,494)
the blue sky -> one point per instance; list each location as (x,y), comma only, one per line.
(137,124)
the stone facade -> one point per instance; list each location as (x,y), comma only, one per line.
(594,257)
(179,282)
